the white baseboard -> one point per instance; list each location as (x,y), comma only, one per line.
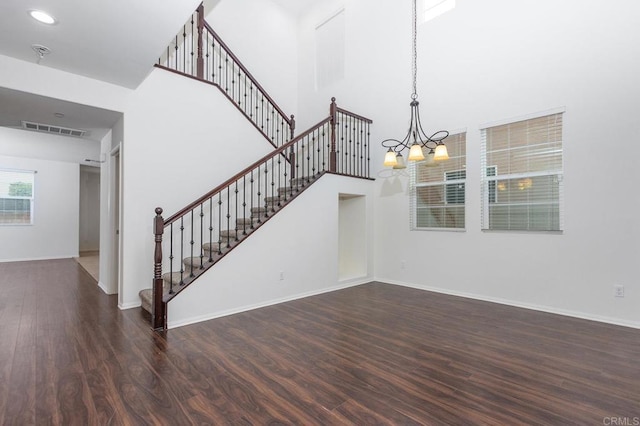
(105,290)
(355,281)
(547,309)
(130,305)
(214,315)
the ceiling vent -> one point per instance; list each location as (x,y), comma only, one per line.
(48,128)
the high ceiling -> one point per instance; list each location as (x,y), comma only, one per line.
(110,40)
(115,41)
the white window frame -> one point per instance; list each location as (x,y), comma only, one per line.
(485,179)
(413,209)
(31,199)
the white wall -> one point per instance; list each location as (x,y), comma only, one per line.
(301,241)
(54,233)
(264,37)
(45,81)
(493,60)
(182,139)
(23,143)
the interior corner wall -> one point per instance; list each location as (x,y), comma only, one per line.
(264,37)
(108,282)
(496,60)
(293,255)
(182,139)
(54,232)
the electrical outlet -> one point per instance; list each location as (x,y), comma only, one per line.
(618,290)
(281,275)
(403,264)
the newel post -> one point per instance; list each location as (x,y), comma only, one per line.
(333,157)
(158,320)
(200,59)
(292,155)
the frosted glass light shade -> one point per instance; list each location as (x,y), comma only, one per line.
(415,153)
(400,164)
(390,158)
(441,153)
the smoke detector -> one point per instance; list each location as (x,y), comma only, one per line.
(40,50)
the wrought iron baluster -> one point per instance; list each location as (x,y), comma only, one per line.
(226,76)
(244,205)
(236,212)
(211,229)
(191,248)
(228,216)
(220,223)
(181,251)
(176,53)
(213,60)
(170,259)
(192,52)
(251,200)
(184,48)
(368,150)
(233,80)
(259,174)
(266,188)
(201,235)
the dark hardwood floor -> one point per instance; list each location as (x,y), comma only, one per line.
(372,354)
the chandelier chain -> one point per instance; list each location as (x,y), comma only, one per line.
(416,139)
(414,95)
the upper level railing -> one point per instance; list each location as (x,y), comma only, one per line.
(204,231)
(198,52)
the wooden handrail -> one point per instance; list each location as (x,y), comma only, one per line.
(246,71)
(354,115)
(237,176)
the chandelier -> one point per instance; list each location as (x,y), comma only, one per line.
(416,138)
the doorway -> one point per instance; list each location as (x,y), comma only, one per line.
(352,237)
(89,221)
(115,167)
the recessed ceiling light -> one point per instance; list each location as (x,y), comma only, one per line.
(43,17)
(58,114)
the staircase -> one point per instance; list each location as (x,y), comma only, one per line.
(198,236)
(212,251)
(198,52)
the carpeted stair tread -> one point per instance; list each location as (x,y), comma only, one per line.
(174,277)
(245,222)
(225,234)
(286,190)
(146,297)
(214,247)
(196,261)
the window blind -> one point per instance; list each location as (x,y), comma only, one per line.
(522,175)
(16,197)
(438,190)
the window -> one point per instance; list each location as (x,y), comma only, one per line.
(522,181)
(16,197)
(438,190)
